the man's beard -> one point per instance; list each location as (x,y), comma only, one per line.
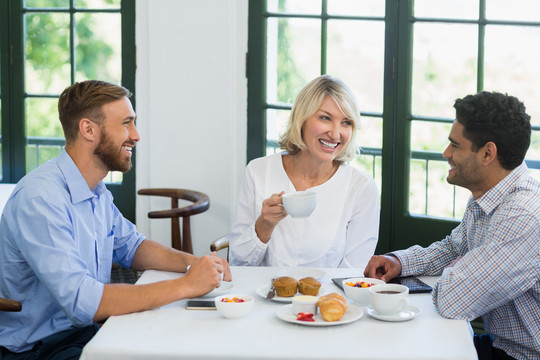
(111,157)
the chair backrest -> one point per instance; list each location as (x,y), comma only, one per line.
(201,203)
(10,305)
(220,244)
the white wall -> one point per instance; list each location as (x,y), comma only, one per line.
(191,103)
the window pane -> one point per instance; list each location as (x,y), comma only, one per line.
(512,66)
(440,193)
(355,7)
(98,4)
(535,173)
(46,3)
(42,118)
(429,192)
(47,59)
(1,137)
(295,6)
(372,165)
(534,148)
(522,10)
(98,47)
(370,132)
(358,60)
(276,121)
(370,142)
(42,122)
(429,136)
(444,67)
(447,9)
(293,57)
(37,154)
(1,141)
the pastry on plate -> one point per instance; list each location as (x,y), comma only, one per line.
(309,286)
(332,306)
(285,286)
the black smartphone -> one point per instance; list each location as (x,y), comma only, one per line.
(414,284)
(201,305)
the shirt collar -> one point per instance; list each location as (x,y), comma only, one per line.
(491,199)
(78,188)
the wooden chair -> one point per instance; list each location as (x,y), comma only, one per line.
(220,244)
(10,305)
(201,203)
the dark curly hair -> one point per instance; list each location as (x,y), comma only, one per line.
(499,118)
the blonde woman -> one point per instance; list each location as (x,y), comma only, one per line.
(319,139)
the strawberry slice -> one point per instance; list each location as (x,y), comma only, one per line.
(305,317)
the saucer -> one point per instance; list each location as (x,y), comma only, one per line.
(407,314)
(223,288)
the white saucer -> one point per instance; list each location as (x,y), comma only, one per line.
(353,313)
(223,288)
(410,312)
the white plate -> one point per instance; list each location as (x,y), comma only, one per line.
(299,273)
(410,312)
(223,288)
(353,313)
(262,291)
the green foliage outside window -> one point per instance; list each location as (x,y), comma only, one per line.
(48,60)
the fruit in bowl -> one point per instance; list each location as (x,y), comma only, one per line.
(357,289)
(233,306)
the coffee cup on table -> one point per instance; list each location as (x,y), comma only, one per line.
(299,204)
(389,299)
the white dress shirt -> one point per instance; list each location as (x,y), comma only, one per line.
(342,231)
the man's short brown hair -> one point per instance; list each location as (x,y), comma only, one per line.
(85,100)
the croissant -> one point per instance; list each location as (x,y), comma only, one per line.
(332,306)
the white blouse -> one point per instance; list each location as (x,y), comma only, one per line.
(342,231)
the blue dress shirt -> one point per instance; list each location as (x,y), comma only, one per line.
(58,239)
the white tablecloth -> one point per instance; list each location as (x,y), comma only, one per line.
(172,332)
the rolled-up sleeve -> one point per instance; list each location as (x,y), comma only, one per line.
(126,239)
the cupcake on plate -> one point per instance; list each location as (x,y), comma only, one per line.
(285,286)
(309,286)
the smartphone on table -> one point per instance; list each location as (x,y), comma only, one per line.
(197,304)
(415,285)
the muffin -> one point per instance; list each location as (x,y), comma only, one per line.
(309,286)
(285,286)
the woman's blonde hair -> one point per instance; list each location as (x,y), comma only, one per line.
(309,101)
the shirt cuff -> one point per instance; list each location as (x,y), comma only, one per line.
(405,259)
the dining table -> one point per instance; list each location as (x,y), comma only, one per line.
(174,332)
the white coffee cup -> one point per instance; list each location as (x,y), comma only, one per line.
(299,204)
(389,299)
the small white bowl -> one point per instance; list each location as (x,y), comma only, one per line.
(304,304)
(234,310)
(360,295)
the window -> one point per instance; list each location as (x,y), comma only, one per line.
(407,62)
(47,45)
